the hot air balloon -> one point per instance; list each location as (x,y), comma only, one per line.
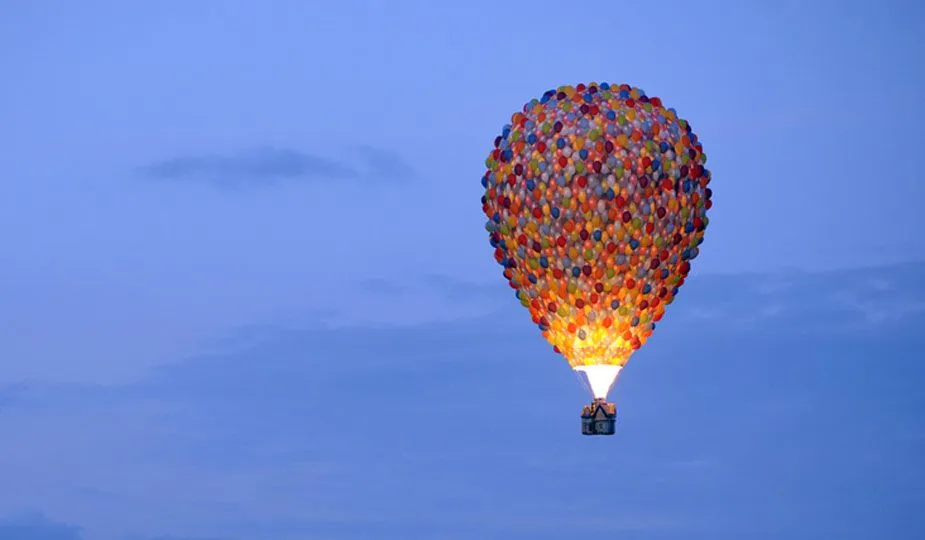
(596,197)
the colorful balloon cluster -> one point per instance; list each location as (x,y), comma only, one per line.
(596,197)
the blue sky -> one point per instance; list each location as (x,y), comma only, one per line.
(222,223)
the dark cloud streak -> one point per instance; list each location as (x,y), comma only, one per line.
(270,165)
(386,164)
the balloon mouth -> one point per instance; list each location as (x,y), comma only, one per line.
(599,378)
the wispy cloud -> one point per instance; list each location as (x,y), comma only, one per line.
(353,432)
(266,165)
(881,308)
(838,300)
(36,526)
(385,287)
(385,164)
(449,288)
(272,440)
(843,300)
(271,165)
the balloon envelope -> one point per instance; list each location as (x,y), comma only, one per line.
(596,197)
